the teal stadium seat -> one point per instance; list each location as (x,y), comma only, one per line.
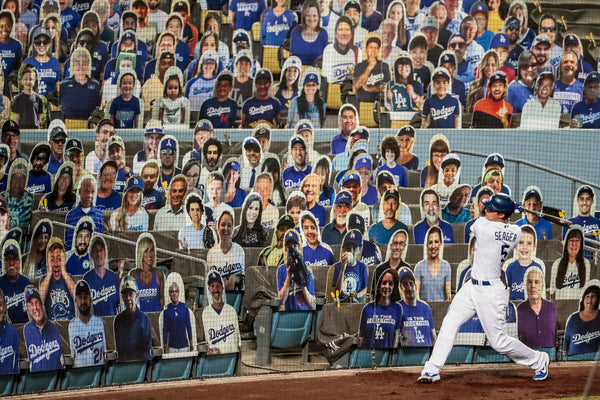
(127,372)
(216,365)
(410,356)
(6,384)
(79,378)
(234,299)
(37,381)
(580,357)
(551,351)
(290,328)
(172,368)
(363,358)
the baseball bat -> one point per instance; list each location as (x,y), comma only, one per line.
(551,218)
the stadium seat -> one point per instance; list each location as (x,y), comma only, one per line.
(365,358)
(580,357)
(256,32)
(334,96)
(216,365)
(79,378)
(6,384)
(173,368)
(76,123)
(488,355)
(234,299)
(281,330)
(270,61)
(551,351)
(127,372)
(365,113)
(37,381)
(410,356)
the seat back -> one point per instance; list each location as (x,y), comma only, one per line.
(6,384)
(79,378)
(290,328)
(410,356)
(365,113)
(216,365)
(365,358)
(128,372)
(334,96)
(37,381)
(270,61)
(172,368)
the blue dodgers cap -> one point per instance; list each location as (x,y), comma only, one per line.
(385,176)
(392,193)
(85,225)
(532,192)
(457,34)
(498,76)
(430,22)
(592,77)
(50,3)
(499,40)
(585,189)
(356,221)
(135,182)
(512,21)
(15,233)
(361,131)
(363,160)
(494,158)
(74,144)
(32,292)
(304,125)
(231,165)
(440,72)
(42,31)
(298,139)
(351,175)
(11,250)
(204,125)
(342,196)
(312,77)
(44,227)
(448,58)
(167,143)
(210,55)
(291,235)
(214,277)
(262,131)
(129,35)
(405,271)
(82,287)
(479,7)
(353,237)
(263,74)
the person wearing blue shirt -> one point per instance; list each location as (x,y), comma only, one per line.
(79,93)
(152,199)
(308,39)
(380,322)
(39,180)
(585,206)
(314,251)
(417,325)
(9,341)
(443,109)
(12,283)
(10,48)
(347,122)
(294,292)
(132,326)
(586,113)
(261,106)
(125,109)
(584,324)
(276,24)
(372,74)
(390,150)
(177,328)
(310,188)
(523,260)
(370,255)
(293,175)
(455,210)
(87,194)
(430,208)
(333,232)
(42,337)
(244,13)
(521,90)
(48,68)
(382,231)
(70,18)
(104,283)
(220,109)
(57,288)
(568,89)
(78,258)
(350,275)
(532,200)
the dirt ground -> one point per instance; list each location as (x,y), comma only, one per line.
(494,381)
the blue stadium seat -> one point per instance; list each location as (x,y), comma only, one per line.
(37,381)
(411,356)
(551,351)
(6,384)
(78,378)
(172,368)
(128,372)
(580,357)
(363,358)
(488,355)
(461,354)
(290,328)
(216,365)
(234,299)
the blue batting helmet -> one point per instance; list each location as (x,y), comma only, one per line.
(501,203)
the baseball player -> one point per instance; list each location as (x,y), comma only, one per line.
(86,331)
(486,294)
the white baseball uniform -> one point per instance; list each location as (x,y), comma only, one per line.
(486,295)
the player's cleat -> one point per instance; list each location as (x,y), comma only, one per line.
(542,373)
(426,377)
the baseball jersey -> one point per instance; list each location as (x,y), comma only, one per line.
(221,329)
(132,336)
(198,90)
(148,295)
(589,115)
(567,95)
(59,302)
(44,347)
(495,240)
(320,214)
(515,273)
(39,184)
(432,287)
(322,255)
(401,100)
(380,75)
(398,172)
(9,349)
(443,111)
(378,325)
(274,29)
(371,255)
(220,114)
(125,111)
(292,177)
(87,341)
(78,265)
(582,336)
(232,263)
(295,300)
(543,228)
(571,282)
(177,326)
(416,324)
(110,203)
(256,109)
(137,222)
(355,277)
(104,291)
(14,294)
(153,200)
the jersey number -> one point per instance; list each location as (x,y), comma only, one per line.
(504,252)
(97,355)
